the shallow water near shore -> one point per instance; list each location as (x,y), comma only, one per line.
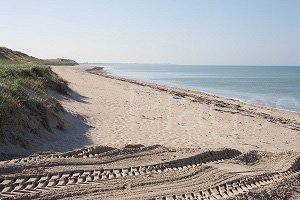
(271,86)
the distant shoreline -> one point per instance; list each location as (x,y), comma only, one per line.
(104,72)
(235,65)
(125,111)
(209,98)
(270,86)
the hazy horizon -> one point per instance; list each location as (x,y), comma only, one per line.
(239,65)
(258,32)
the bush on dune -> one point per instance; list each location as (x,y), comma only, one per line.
(23,94)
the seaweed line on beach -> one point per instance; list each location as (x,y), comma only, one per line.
(201,97)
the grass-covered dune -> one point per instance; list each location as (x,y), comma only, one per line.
(8,54)
(59,61)
(25,104)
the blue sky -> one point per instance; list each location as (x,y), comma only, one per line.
(247,32)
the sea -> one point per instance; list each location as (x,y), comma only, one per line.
(269,86)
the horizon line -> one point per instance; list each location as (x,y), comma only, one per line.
(241,65)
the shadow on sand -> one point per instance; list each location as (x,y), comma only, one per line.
(72,136)
(77,97)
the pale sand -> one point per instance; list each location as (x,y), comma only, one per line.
(154,172)
(121,112)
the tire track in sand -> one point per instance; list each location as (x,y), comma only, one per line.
(10,186)
(238,186)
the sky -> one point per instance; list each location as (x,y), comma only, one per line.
(213,32)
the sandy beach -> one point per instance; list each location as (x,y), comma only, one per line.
(150,100)
(122,111)
(130,140)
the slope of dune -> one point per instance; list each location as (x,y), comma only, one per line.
(8,54)
(30,114)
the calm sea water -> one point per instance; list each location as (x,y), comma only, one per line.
(271,86)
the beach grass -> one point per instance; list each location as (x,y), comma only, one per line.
(18,80)
(25,86)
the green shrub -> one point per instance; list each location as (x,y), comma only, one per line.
(24,84)
(20,81)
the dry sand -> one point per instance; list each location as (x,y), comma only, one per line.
(196,146)
(154,172)
(121,112)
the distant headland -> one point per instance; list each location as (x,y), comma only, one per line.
(8,54)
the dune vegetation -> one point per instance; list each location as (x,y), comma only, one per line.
(8,54)
(25,105)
